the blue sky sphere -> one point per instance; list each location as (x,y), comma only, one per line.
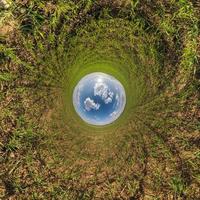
(99,98)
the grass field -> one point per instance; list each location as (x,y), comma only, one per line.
(152,152)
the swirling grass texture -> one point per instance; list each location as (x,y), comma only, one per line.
(151,151)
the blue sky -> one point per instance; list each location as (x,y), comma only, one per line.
(99,98)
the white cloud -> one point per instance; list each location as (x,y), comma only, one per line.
(108,100)
(101,89)
(90,104)
(117,99)
(111,94)
(113,114)
(78,94)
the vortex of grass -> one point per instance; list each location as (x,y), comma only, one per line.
(151,151)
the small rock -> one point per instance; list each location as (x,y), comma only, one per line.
(22,10)
(4,4)
(12,155)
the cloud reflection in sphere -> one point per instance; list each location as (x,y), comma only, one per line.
(99,99)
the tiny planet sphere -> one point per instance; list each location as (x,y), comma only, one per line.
(99,99)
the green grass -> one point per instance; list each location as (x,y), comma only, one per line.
(151,151)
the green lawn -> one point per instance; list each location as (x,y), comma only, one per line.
(151,152)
